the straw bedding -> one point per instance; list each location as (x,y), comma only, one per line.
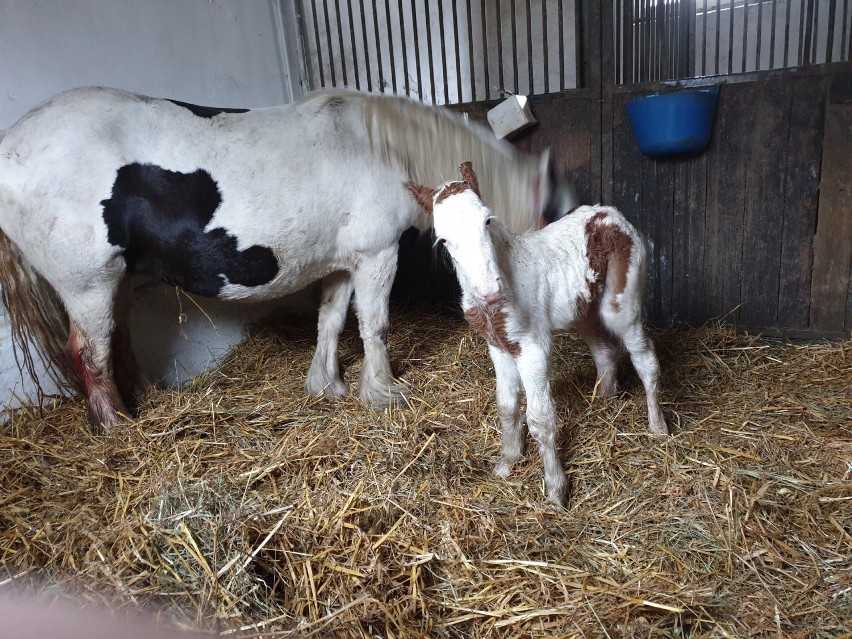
(239,506)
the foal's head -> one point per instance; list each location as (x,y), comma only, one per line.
(464,225)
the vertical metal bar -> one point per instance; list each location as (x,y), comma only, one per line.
(328,39)
(560,15)
(378,48)
(470,63)
(355,66)
(829,44)
(484,26)
(815,32)
(364,40)
(416,51)
(311,80)
(500,47)
(772,37)
(340,42)
(731,40)
(444,51)
(718,38)
(529,49)
(806,53)
(801,47)
(317,43)
(745,36)
(514,48)
(627,49)
(617,61)
(303,36)
(846,34)
(759,33)
(428,18)
(458,55)
(402,44)
(787,33)
(391,52)
(544,34)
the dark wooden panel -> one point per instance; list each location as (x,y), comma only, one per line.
(763,214)
(697,310)
(832,243)
(565,127)
(723,241)
(801,189)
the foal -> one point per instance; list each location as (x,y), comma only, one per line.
(586,270)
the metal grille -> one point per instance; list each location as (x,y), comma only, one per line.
(671,39)
(440,51)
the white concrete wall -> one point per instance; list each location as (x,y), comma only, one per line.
(213,52)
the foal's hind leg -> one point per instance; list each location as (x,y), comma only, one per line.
(324,374)
(89,345)
(372,279)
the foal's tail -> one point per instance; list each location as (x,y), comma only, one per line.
(37,317)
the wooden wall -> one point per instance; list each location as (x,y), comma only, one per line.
(743,231)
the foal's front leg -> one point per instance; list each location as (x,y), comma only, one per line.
(373,278)
(324,374)
(534,367)
(508,409)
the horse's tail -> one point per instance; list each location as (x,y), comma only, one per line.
(37,318)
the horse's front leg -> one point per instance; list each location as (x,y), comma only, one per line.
(508,410)
(324,374)
(534,367)
(373,277)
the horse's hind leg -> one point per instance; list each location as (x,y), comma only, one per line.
(132,382)
(324,374)
(373,278)
(604,351)
(90,348)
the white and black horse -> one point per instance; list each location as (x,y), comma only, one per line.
(230,203)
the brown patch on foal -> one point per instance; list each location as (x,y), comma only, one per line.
(453,188)
(490,322)
(609,249)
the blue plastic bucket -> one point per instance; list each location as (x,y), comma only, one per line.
(666,123)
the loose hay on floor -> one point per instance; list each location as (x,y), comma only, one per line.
(237,505)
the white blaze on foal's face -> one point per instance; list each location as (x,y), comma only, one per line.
(463,225)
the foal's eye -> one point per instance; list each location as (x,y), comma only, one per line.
(488,222)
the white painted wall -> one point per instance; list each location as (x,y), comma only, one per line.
(212,52)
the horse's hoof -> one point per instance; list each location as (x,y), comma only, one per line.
(381,397)
(331,389)
(501,470)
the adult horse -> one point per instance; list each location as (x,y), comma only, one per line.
(231,203)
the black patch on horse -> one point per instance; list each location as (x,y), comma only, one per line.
(205,111)
(158,217)
(409,236)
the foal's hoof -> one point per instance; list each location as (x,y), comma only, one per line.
(558,495)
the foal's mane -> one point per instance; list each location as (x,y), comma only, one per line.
(429,143)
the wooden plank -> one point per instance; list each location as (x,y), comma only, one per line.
(681,216)
(832,243)
(697,310)
(764,202)
(725,203)
(564,127)
(661,217)
(801,194)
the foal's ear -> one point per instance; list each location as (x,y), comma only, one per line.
(423,195)
(469,176)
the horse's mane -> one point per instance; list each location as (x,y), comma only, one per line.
(429,144)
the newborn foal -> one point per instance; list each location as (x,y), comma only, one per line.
(586,270)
